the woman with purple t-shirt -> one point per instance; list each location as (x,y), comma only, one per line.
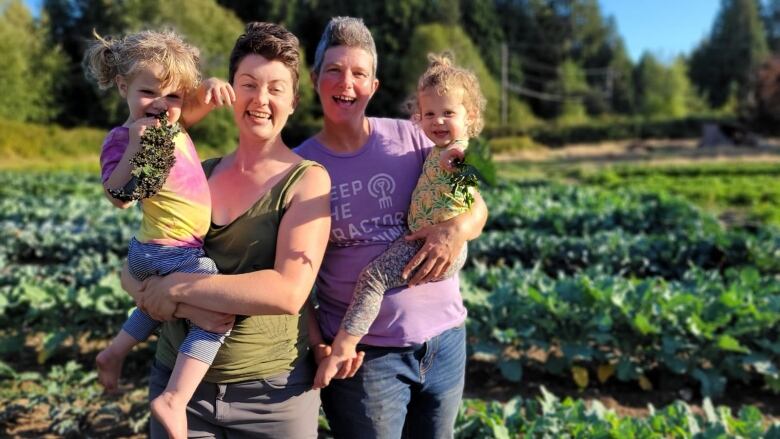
(413,371)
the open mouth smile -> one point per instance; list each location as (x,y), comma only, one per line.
(344,100)
(259,115)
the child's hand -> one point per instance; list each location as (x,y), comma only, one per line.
(338,361)
(211,93)
(328,369)
(321,351)
(137,129)
(449,159)
(218,93)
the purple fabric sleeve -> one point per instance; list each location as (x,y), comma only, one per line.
(114,147)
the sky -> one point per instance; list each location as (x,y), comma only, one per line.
(665,27)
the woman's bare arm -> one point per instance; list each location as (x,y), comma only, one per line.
(209,320)
(303,235)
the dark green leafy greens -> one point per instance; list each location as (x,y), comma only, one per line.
(152,163)
(476,166)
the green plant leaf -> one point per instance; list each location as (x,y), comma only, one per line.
(511,369)
(729,343)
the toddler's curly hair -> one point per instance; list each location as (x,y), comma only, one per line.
(108,57)
(443,77)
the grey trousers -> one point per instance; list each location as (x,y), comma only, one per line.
(283,406)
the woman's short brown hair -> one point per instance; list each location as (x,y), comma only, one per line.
(271,41)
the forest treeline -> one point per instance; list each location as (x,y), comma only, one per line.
(553,61)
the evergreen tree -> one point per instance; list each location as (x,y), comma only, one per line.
(482,24)
(515,22)
(70,25)
(446,12)
(620,82)
(771,16)
(437,38)
(574,89)
(736,46)
(663,91)
(276,11)
(598,48)
(650,86)
(202,23)
(30,72)
(545,34)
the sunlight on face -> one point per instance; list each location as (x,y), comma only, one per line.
(264,97)
(443,117)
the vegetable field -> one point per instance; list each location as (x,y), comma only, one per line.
(624,284)
(593,287)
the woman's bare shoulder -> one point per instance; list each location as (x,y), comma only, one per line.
(314,182)
(316,174)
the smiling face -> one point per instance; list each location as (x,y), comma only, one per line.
(443,117)
(147,96)
(345,83)
(264,98)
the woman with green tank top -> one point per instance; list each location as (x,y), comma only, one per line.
(269,229)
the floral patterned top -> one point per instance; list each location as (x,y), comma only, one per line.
(433,200)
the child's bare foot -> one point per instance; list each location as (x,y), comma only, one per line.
(109,366)
(172,414)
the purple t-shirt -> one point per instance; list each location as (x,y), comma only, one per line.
(370,194)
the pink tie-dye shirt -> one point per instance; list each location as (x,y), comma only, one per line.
(180,213)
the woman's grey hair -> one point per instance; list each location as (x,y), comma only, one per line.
(345,31)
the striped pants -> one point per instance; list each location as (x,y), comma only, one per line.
(146,260)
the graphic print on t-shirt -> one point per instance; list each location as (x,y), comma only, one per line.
(374,196)
(382,186)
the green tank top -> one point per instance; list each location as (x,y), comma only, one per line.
(258,346)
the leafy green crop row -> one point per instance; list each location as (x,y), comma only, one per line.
(75,403)
(759,196)
(56,229)
(622,283)
(38,184)
(548,417)
(706,326)
(576,211)
(61,313)
(61,246)
(668,254)
(612,284)
(73,398)
(749,190)
(567,229)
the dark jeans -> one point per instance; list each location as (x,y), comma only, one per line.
(412,392)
